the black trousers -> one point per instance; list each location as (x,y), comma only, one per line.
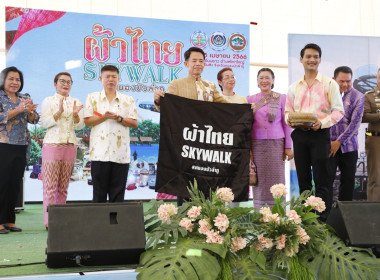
(347,166)
(12,166)
(108,179)
(311,153)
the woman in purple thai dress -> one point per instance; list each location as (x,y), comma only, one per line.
(271,142)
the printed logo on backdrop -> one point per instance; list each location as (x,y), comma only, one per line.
(237,42)
(206,141)
(198,39)
(218,41)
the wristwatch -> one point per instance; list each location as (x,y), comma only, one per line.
(121,119)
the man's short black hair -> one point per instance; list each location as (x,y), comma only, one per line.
(312,46)
(4,74)
(193,49)
(109,67)
(343,69)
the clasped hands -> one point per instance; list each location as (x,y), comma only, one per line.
(26,105)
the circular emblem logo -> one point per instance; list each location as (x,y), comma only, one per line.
(198,39)
(237,42)
(218,41)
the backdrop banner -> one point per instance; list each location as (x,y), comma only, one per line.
(149,55)
(206,141)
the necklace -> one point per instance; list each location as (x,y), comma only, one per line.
(267,97)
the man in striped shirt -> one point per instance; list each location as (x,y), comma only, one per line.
(318,94)
(344,134)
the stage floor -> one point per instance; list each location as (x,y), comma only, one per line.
(114,275)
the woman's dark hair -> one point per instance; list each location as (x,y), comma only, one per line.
(220,75)
(4,74)
(266,70)
(60,74)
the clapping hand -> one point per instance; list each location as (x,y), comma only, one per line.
(110,115)
(60,108)
(30,107)
(76,108)
(22,106)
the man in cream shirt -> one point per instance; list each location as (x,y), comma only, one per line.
(110,114)
(193,86)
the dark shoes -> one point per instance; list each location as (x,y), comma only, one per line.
(4,231)
(12,229)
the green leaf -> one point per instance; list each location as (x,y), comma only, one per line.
(244,269)
(151,219)
(153,226)
(309,217)
(257,257)
(187,259)
(278,209)
(335,261)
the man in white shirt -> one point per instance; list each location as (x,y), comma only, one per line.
(110,114)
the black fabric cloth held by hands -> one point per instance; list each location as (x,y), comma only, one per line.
(206,141)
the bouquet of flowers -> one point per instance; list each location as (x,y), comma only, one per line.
(207,239)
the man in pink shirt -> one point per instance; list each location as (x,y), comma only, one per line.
(318,94)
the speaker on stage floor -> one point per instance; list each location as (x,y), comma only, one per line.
(357,223)
(95,234)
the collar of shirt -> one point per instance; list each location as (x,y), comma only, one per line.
(103,95)
(57,95)
(191,78)
(2,93)
(344,94)
(318,77)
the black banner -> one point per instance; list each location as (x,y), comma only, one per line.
(206,141)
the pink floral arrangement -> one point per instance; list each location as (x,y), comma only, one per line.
(207,239)
(274,237)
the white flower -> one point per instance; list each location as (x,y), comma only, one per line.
(214,237)
(293,216)
(225,194)
(194,212)
(280,242)
(316,203)
(278,190)
(186,223)
(304,238)
(238,244)
(165,211)
(204,226)
(266,243)
(221,222)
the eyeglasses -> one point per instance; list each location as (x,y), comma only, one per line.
(228,78)
(64,82)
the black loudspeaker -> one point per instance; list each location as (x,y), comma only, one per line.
(357,223)
(95,234)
